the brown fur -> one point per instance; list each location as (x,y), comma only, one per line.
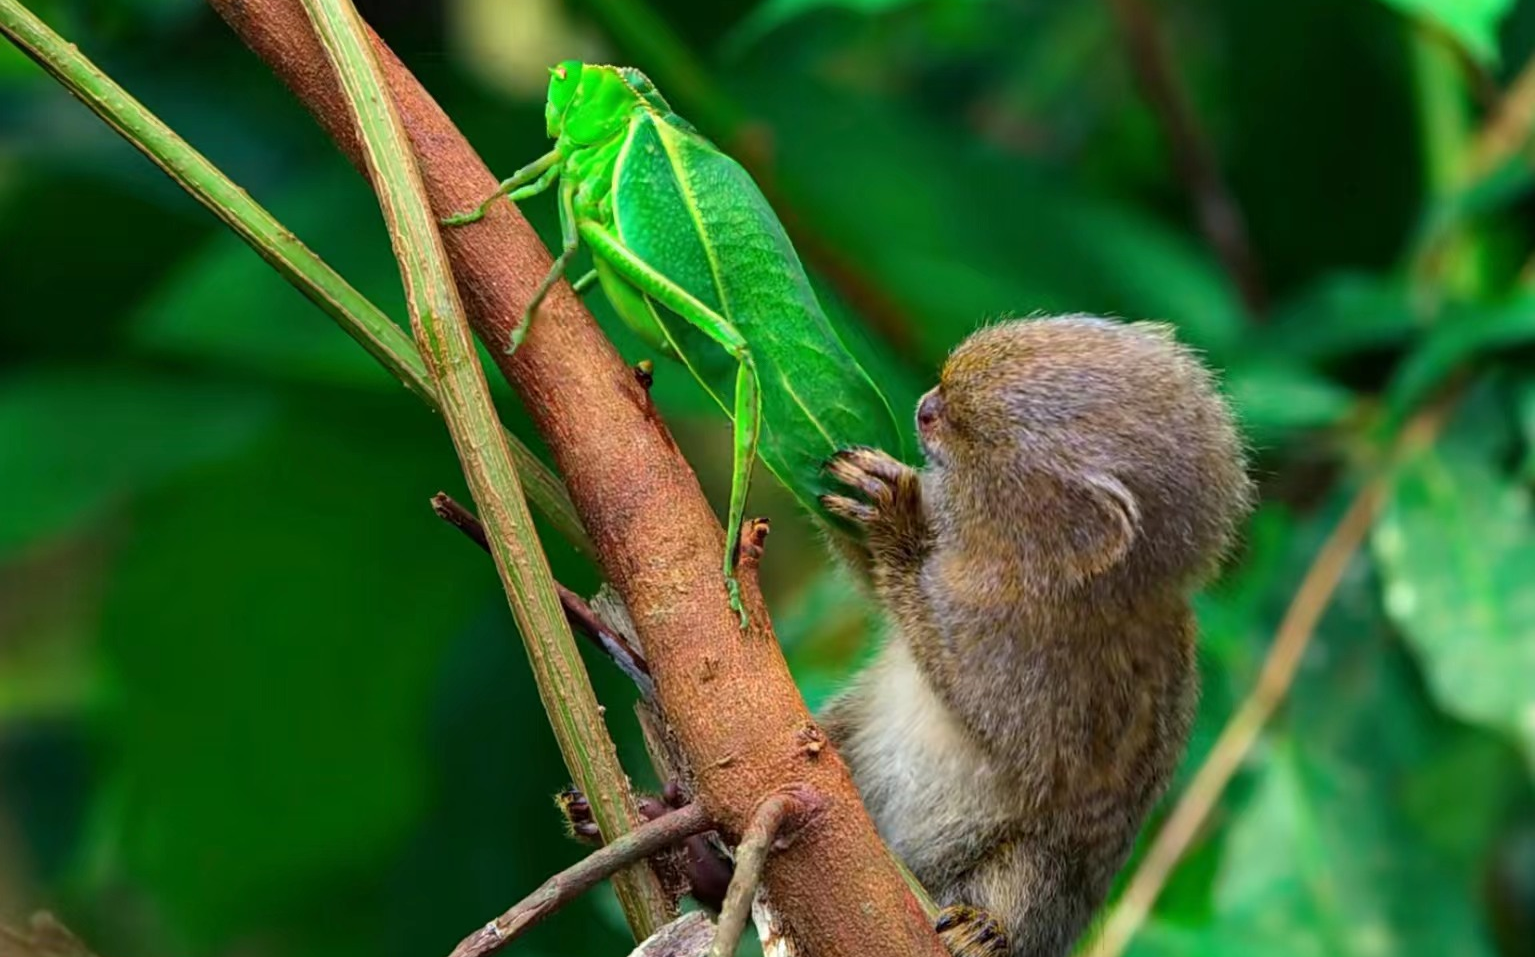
(1083,477)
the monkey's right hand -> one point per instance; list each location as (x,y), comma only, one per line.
(890,512)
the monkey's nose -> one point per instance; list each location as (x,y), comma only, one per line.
(929,409)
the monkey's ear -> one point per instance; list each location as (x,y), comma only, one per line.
(1110,523)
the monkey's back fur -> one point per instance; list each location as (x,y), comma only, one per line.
(1038,683)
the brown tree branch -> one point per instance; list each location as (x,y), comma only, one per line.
(649,838)
(1219,216)
(722,690)
(751,858)
(580,615)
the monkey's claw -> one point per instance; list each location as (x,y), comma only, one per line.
(970,932)
(875,476)
(850,509)
(886,499)
(577,813)
(869,471)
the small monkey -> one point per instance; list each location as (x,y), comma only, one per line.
(1036,690)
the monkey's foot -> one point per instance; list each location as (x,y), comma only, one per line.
(702,871)
(970,932)
(577,812)
(891,507)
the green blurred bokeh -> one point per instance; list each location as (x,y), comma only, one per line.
(255,699)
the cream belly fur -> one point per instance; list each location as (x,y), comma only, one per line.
(905,770)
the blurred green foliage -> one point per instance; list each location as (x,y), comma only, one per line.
(253,697)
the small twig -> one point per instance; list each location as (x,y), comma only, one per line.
(44,936)
(632,848)
(1290,642)
(1220,218)
(687,936)
(1507,131)
(751,857)
(580,615)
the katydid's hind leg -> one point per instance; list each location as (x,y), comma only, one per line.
(532,179)
(747,411)
(748,426)
(571,241)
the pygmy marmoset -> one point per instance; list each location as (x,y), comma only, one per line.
(1035,693)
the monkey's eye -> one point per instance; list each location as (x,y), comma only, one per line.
(929,410)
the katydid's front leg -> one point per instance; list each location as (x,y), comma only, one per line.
(570,242)
(747,409)
(531,180)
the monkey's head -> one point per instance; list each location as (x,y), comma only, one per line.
(1101,449)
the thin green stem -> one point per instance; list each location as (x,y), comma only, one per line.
(442,334)
(1453,260)
(358,317)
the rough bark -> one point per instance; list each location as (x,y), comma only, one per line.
(726,692)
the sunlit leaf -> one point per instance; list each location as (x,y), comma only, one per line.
(1473,22)
(1457,549)
(1305,869)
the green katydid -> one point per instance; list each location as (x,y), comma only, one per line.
(678,230)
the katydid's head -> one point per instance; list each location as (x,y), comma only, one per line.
(564,81)
(588,103)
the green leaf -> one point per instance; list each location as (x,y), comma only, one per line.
(959,235)
(772,14)
(271,631)
(1524,409)
(1305,869)
(77,441)
(1466,332)
(1275,399)
(1473,22)
(1341,316)
(225,304)
(1456,545)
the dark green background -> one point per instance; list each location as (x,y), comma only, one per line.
(255,700)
